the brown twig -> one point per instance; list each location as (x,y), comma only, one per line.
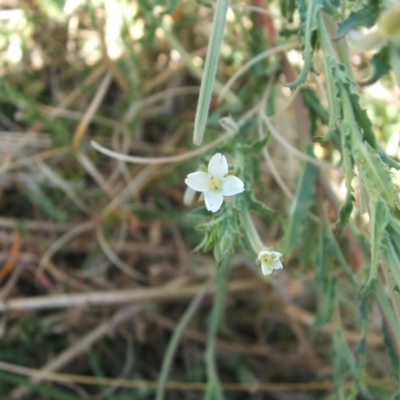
(116,297)
(12,259)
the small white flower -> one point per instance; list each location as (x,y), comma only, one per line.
(269,260)
(216,183)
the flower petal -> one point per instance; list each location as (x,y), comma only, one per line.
(213,200)
(232,185)
(218,166)
(273,253)
(188,197)
(266,269)
(276,265)
(263,253)
(198,181)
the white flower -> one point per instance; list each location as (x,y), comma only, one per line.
(216,183)
(269,260)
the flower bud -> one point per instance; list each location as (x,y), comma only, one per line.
(389,21)
(365,41)
(229,124)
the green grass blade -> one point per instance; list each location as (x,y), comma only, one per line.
(173,343)
(210,70)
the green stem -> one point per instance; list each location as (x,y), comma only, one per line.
(355,136)
(340,45)
(251,231)
(248,224)
(170,352)
(214,388)
(325,37)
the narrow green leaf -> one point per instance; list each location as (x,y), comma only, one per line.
(343,360)
(392,253)
(338,255)
(331,6)
(379,220)
(256,205)
(305,194)
(391,347)
(210,238)
(210,70)
(226,243)
(345,212)
(363,122)
(254,148)
(381,66)
(313,103)
(347,160)
(339,83)
(327,301)
(339,361)
(368,133)
(308,11)
(321,257)
(375,174)
(390,319)
(334,103)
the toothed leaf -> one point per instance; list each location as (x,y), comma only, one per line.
(308,11)
(366,16)
(379,220)
(375,175)
(380,64)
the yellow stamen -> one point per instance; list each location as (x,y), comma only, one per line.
(215,184)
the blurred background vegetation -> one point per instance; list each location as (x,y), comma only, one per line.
(102,296)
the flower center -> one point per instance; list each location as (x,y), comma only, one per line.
(215,184)
(268,258)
